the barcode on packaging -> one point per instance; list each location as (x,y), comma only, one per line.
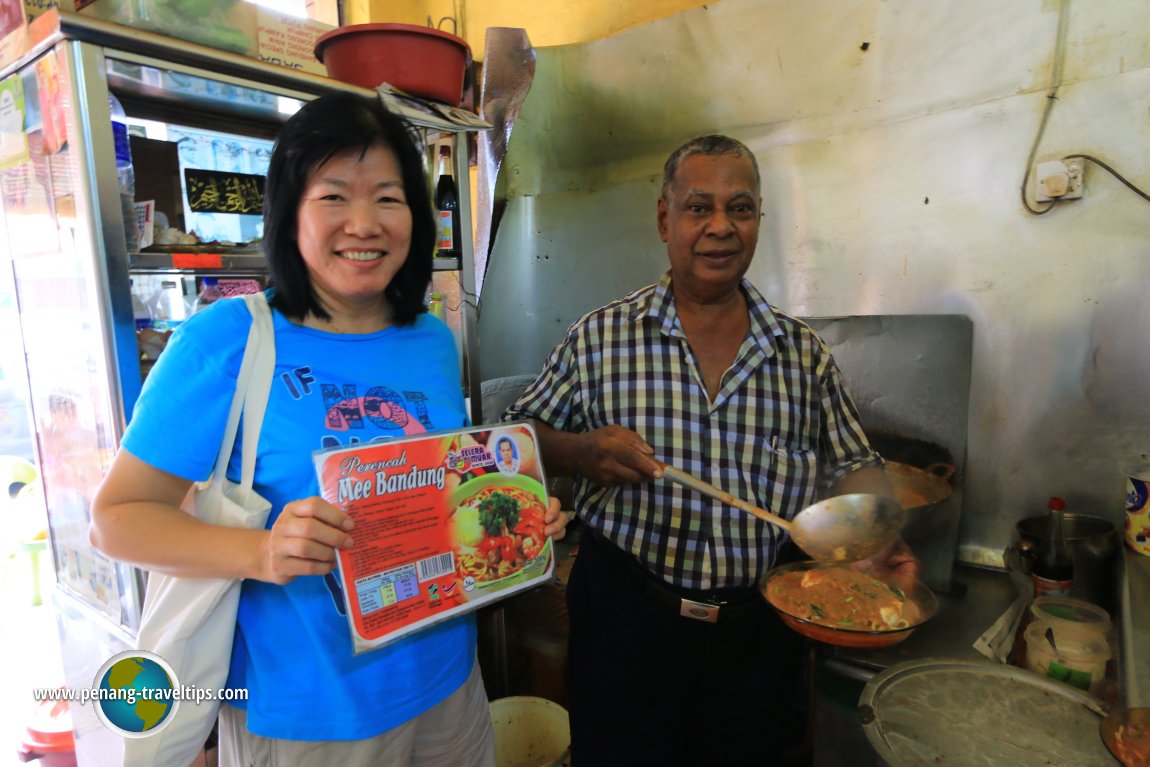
(433,567)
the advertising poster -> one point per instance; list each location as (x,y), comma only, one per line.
(444,523)
(52,117)
(13,31)
(13,142)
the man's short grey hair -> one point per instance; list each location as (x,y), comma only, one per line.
(712,146)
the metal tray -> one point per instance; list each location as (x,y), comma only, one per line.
(958,712)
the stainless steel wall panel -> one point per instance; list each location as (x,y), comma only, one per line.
(556,258)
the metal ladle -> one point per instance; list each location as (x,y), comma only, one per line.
(844,528)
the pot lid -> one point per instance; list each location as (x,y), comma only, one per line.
(969,712)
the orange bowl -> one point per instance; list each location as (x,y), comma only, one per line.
(418,60)
(920,596)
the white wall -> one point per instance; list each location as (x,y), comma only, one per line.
(891,186)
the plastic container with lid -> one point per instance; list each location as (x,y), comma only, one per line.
(1061,612)
(1077,656)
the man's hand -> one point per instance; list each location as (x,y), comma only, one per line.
(897,565)
(614,455)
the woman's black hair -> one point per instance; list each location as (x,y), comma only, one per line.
(325,127)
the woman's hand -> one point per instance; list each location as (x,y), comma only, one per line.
(303,541)
(555,521)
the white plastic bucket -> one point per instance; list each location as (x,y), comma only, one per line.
(530,732)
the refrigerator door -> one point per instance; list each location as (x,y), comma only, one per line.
(52,210)
(61,224)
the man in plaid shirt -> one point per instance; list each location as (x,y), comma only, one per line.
(674,657)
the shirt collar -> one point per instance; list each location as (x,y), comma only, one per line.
(659,304)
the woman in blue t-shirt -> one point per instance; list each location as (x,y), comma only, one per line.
(348,237)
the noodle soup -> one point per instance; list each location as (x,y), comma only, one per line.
(839,605)
(842,598)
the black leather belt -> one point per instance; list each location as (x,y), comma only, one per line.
(701,605)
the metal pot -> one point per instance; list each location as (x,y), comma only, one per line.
(918,488)
(1094,544)
(928,528)
(931,528)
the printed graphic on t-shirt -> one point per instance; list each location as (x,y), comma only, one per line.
(348,410)
(356,415)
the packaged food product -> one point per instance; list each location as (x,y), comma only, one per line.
(445,523)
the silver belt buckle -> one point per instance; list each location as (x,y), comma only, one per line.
(700,611)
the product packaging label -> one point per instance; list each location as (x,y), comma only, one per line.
(1074,677)
(444,230)
(1138,510)
(444,523)
(1045,587)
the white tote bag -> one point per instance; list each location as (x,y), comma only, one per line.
(190,622)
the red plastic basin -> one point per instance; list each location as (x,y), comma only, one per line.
(48,736)
(421,61)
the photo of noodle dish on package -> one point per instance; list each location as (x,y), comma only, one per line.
(497,525)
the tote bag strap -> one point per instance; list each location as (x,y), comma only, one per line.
(262,336)
(254,357)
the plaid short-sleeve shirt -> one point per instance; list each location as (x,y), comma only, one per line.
(781,428)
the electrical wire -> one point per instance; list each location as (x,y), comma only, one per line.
(1051,96)
(1030,161)
(1112,172)
(465,296)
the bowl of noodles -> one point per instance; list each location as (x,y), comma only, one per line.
(840,605)
(497,527)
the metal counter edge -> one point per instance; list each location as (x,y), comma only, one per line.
(1135,629)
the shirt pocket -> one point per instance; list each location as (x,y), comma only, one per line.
(787,478)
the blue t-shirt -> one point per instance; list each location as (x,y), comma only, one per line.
(293,648)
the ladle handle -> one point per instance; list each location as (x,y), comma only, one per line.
(706,488)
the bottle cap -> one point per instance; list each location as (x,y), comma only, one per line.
(444,151)
(1056,504)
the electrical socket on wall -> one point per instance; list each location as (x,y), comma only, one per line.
(1058,180)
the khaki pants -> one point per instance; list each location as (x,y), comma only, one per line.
(454,733)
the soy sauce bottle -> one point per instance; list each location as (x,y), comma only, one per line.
(447,239)
(1053,571)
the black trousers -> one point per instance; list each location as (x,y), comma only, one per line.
(647,686)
